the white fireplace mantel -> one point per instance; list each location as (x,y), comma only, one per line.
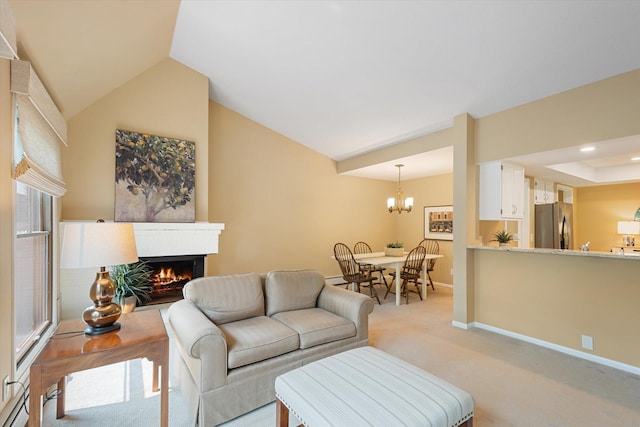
(180,238)
(166,239)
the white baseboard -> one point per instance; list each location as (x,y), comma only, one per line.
(17,414)
(461,325)
(444,285)
(335,280)
(562,349)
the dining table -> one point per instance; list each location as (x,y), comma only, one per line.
(379,259)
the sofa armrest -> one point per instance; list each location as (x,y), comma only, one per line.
(199,338)
(350,305)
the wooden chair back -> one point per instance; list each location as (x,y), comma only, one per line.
(362,248)
(413,265)
(432,248)
(348,265)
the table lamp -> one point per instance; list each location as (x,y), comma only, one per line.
(99,244)
(628,228)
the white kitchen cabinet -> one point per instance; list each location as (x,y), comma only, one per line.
(564,193)
(543,191)
(501,191)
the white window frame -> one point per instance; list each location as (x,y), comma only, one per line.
(39,226)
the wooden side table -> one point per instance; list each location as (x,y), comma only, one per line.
(69,350)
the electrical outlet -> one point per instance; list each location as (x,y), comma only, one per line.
(587,342)
(5,388)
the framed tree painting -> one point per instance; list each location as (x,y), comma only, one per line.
(438,222)
(155,178)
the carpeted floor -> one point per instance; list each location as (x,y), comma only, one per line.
(512,382)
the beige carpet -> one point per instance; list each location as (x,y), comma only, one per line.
(513,383)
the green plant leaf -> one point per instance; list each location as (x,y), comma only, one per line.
(502,236)
(132,280)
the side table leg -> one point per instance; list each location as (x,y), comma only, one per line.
(35,398)
(156,368)
(282,414)
(62,385)
(164,386)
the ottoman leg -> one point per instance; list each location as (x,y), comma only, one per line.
(282,414)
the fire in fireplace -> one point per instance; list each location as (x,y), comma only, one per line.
(170,274)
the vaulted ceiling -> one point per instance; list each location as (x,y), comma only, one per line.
(340,77)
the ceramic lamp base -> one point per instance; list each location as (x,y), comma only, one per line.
(104,313)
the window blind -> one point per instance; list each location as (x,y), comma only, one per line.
(41,129)
(8,45)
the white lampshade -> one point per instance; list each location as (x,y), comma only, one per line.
(408,203)
(391,202)
(97,244)
(629,227)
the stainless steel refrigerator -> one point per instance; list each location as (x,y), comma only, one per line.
(554,225)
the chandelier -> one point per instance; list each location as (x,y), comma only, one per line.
(399,203)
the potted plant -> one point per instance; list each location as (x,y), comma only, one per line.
(502,237)
(133,284)
(394,249)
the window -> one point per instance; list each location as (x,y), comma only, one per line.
(38,131)
(33,279)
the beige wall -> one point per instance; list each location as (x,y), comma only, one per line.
(600,208)
(465,205)
(559,298)
(431,191)
(168,99)
(283,205)
(596,112)
(488,228)
(553,297)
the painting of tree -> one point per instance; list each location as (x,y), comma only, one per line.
(155,178)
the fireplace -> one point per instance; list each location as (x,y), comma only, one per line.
(170,274)
(153,239)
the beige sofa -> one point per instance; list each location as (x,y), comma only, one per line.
(235,334)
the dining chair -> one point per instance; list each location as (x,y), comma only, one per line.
(411,270)
(364,248)
(433,248)
(353,272)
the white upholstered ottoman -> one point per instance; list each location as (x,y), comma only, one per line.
(368,387)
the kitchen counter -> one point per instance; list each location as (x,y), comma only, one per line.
(568,252)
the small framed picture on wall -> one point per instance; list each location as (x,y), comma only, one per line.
(438,222)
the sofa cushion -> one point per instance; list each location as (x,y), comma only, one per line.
(292,290)
(256,339)
(316,326)
(225,299)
